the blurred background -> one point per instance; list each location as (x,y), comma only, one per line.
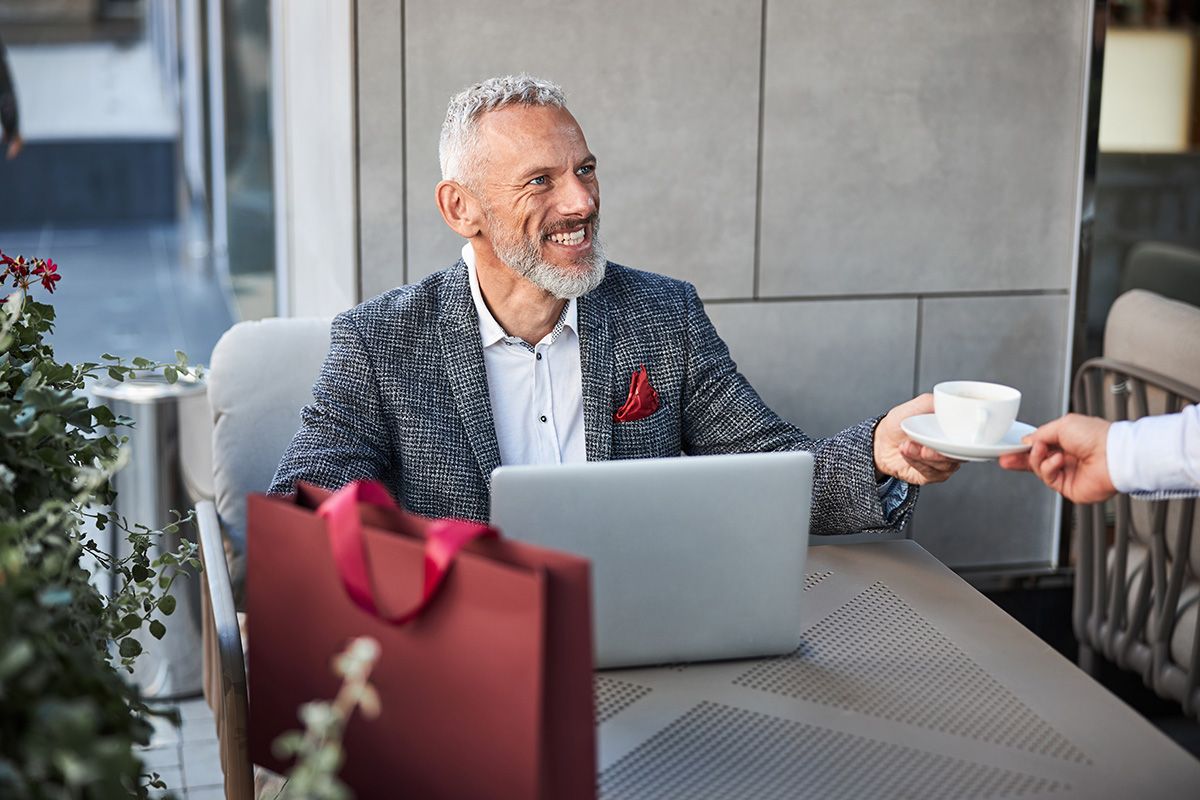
(145,168)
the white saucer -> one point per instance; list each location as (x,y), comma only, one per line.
(924,429)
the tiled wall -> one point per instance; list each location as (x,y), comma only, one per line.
(870,196)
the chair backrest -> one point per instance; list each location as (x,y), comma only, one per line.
(1129,606)
(1166,269)
(262,374)
(224,663)
(1161,336)
(1155,333)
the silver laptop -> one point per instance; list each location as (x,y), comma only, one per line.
(693,558)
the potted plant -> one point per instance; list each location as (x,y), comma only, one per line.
(70,722)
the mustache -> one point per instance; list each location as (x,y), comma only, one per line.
(567,225)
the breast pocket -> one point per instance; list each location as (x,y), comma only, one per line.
(655,436)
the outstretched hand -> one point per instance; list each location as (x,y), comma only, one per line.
(900,457)
(1070,455)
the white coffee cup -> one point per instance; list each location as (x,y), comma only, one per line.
(975,412)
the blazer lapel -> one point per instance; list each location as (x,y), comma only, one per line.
(462,356)
(596,362)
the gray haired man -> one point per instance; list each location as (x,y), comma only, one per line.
(533,348)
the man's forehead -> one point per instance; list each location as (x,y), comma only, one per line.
(514,134)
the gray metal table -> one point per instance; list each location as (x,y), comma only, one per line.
(908,683)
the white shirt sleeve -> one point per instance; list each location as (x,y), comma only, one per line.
(1156,453)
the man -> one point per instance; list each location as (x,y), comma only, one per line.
(1088,460)
(524,350)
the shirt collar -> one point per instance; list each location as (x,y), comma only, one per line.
(490,331)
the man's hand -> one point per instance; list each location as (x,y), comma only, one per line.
(1070,455)
(14,147)
(900,457)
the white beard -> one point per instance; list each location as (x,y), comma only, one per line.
(524,257)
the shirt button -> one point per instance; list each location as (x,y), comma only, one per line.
(542,417)
(539,356)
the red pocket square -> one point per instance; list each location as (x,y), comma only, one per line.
(642,400)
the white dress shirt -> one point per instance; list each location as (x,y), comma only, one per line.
(536,390)
(1156,453)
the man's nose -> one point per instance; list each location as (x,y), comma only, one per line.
(577,198)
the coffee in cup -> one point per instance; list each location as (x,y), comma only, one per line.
(975,412)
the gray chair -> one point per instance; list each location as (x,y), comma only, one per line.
(1137,587)
(260,377)
(1166,269)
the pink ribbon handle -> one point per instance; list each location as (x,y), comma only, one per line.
(444,539)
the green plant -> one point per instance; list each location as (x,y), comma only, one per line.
(69,721)
(318,749)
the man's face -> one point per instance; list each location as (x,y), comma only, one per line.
(541,198)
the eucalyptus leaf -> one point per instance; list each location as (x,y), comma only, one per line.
(166,604)
(157,629)
(15,657)
(130,648)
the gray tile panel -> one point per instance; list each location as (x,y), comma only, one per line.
(1018,340)
(667,98)
(987,517)
(823,365)
(984,515)
(380,145)
(920,146)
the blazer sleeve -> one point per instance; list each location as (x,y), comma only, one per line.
(722,413)
(342,436)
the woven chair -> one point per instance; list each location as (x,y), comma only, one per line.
(1137,587)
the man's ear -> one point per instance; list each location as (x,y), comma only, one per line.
(459,208)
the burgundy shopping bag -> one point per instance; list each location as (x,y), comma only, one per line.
(485,672)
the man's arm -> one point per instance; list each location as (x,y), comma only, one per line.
(1088,459)
(342,436)
(1160,453)
(722,413)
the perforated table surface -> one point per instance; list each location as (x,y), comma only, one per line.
(907,683)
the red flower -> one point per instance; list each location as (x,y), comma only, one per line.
(48,272)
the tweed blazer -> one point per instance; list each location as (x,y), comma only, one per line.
(403,399)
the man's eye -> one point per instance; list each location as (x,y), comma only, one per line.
(538,181)
(586,170)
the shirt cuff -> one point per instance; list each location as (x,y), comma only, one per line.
(1147,454)
(892,494)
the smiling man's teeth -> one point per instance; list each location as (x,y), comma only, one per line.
(569,238)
